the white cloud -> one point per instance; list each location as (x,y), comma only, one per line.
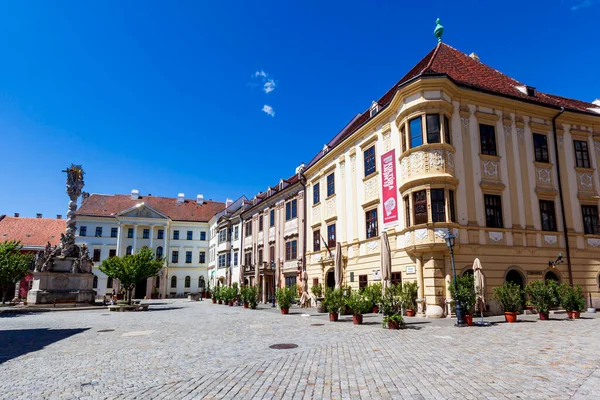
(260,73)
(269,86)
(268,81)
(584,4)
(268,110)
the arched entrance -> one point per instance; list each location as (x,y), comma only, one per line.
(515,277)
(468,272)
(140,289)
(551,276)
(330,279)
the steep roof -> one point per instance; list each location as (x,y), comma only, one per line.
(465,71)
(102,205)
(32,231)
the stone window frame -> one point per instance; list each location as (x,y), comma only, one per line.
(444,119)
(291,250)
(370,220)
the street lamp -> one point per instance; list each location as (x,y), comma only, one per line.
(460,318)
(559,260)
(274,284)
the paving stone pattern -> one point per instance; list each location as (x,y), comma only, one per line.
(190,350)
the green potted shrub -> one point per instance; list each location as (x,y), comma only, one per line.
(244,295)
(252,294)
(154,294)
(510,297)
(543,296)
(391,307)
(359,305)
(285,296)
(373,292)
(409,296)
(464,292)
(317,290)
(571,299)
(207,292)
(334,300)
(215,294)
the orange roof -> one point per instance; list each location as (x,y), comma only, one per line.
(32,231)
(103,205)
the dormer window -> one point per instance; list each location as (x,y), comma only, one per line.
(325,149)
(374,109)
(530,91)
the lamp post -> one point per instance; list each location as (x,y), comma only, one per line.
(460,318)
(274,284)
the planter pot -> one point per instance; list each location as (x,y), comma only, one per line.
(410,313)
(154,296)
(245,304)
(230,304)
(357,319)
(220,301)
(253,307)
(469,319)
(529,308)
(393,325)
(511,316)
(214,301)
(285,310)
(573,314)
(333,317)
(544,316)
(375,309)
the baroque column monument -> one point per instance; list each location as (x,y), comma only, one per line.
(64,271)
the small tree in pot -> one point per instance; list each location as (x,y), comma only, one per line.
(334,300)
(391,306)
(409,296)
(373,292)
(543,296)
(359,305)
(572,300)
(252,294)
(464,292)
(285,296)
(510,297)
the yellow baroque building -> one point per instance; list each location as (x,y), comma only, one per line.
(456,146)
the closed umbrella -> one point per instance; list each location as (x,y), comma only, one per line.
(241,274)
(257,276)
(305,299)
(479,286)
(228,276)
(337,268)
(277,274)
(386,261)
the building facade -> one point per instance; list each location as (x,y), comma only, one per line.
(457,147)
(176,229)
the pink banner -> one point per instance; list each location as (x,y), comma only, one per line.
(388,186)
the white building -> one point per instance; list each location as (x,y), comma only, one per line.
(176,229)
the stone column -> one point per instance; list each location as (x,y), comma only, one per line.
(421,290)
(264,289)
(151,237)
(134,239)
(119,237)
(433,278)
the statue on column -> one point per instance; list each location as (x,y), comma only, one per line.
(74,186)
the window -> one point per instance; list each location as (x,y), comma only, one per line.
(290,210)
(173,281)
(175,257)
(420,207)
(290,281)
(407,210)
(146,234)
(272,218)
(540,144)
(416,132)
(130,233)
(201,282)
(187,282)
(260,223)
(433,128)
(222,235)
(272,253)
(190,235)
(316,193)
(235,258)
(487,134)
(188,257)
(447,136)
(175,235)
(221,261)
(82,230)
(582,157)
(291,250)
(128,250)
(96,255)
(371,223)
(159,253)
(331,184)
(202,257)
(248,258)
(114,232)
(363,281)
(396,278)
(109,283)
(493,211)
(260,256)
(161,234)
(112,253)
(370,166)
(590,220)
(202,235)
(403,136)
(438,206)
(248,228)
(451,205)
(316,240)
(331,236)
(95,282)
(548,215)
(236,232)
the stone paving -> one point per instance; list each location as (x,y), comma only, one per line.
(189,350)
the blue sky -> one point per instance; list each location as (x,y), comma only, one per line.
(164,97)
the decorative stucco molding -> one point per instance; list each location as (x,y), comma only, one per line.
(594,242)
(550,239)
(496,236)
(543,175)
(421,234)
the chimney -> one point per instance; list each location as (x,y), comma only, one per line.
(16,215)
(38,215)
(474,56)
(200,199)
(180,198)
(135,194)
(228,202)
(58,216)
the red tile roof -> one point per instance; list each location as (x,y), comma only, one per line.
(32,231)
(465,71)
(102,205)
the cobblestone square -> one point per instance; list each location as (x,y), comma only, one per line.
(188,350)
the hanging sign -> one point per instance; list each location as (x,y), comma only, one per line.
(388,189)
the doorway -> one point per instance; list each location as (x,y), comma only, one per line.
(330,279)
(140,289)
(515,277)
(551,276)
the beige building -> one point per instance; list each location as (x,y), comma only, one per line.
(456,146)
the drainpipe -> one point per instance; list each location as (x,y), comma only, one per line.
(303,183)
(560,194)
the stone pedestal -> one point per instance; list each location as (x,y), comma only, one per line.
(50,286)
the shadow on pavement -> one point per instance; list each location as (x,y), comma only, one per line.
(162,309)
(13,314)
(18,342)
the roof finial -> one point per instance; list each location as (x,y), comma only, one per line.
(439,30)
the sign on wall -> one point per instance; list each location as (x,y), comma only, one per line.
(388,189)
(411,269)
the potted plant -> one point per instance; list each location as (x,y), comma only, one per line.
(391,307)
(154,293)
(334,300)
(373,292)
(252,293)
(231,295)
(464,292)
(572,300)
(358,304)
(409,297)
(244,295)
(285,297)
(207,290)
(543,296)
(215,294)
(510,297)
(219,291)
(317,290)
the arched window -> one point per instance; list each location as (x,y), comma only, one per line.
(188,281)
(95,283)
(468,272)
(159,253)
(129,250)
(551,276)
(109,283)
(515,277)
(173,281)
(157,282)
(201,282)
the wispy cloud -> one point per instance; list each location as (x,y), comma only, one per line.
(268,110)
(584,4)
(268,81)
(269,86)
(260,73)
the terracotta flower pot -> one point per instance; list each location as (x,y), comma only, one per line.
(573,314)
(469,319)
(245,304)
(510,316)
(544,316)
(231,304)
(410,313)
(214,301)
(357,319)
(393,325)
(333,317)
(375,309)
(285,310)
(220,301)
